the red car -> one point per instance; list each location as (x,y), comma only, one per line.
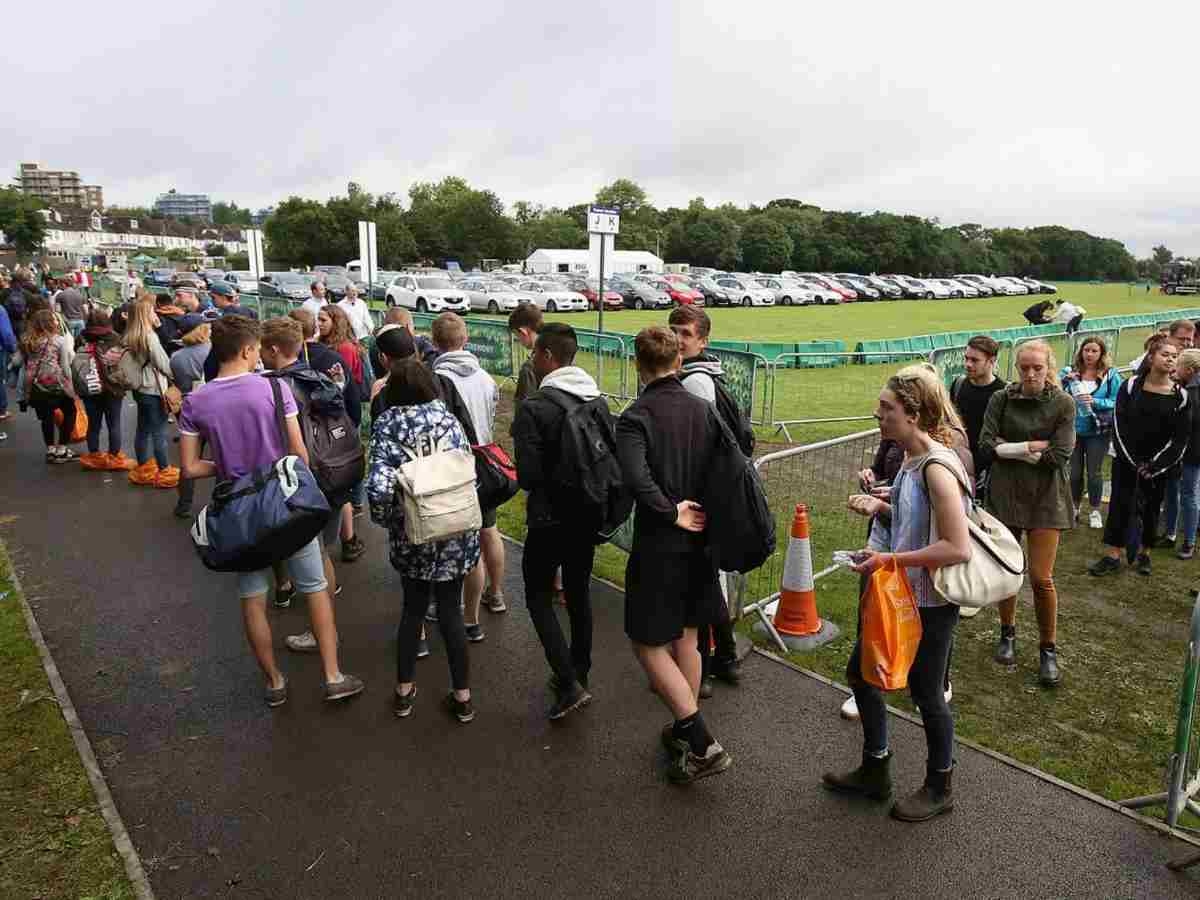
(612,300)
(679,292)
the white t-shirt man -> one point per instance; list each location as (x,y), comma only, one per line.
(359,315)
(313,304)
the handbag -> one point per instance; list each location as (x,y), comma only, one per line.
(439,496)
(495,476)
(996,569)
(263,517)
(891,628)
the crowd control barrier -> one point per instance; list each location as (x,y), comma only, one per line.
(1183,768)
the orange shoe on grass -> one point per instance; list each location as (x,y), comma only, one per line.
(167,478)
(146,474)
(119,462)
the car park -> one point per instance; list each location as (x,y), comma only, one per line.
(243,281)
(680,294)
(1019,287)
(985,286)
(745,291)
(552,297)
(426,293)
(958,289)
(639,295)
(493,296)
(1040,287)
(714,294)
(788,291)
(864,287)
(886,288)
(861,290)
(336,284)
(591,292)
(289,285)
(846,294)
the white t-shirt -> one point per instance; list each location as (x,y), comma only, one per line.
(359,315)
(313,305)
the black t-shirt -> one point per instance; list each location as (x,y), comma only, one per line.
(1037,312)
(972,403)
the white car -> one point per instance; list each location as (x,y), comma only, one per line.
(426,293)
(493,296)
(243,281)
(789,291)
(984,285)
(925,288)
(1019,287)
(551,298)
(826,296)
(961,288)
(746,291)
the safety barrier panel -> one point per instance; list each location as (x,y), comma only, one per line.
(822,476)
(951,362)
(1183,768)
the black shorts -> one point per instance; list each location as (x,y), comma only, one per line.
(668,592)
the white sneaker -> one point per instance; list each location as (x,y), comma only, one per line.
(1094,520)
(850,709)
(301,643)
(949,694)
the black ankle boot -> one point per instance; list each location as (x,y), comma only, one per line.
(873,779)
(1006,650)
(1048,673)
(935,796)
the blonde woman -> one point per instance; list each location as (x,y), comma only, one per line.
(48,386)
(148,369)
(915,411)
(1028,438)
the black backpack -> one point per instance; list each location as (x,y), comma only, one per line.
(741,528)
(587,463)
(335,450)
(731,414)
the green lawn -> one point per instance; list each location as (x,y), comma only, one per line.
(54,839)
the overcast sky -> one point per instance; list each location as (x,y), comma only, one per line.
(1006,114)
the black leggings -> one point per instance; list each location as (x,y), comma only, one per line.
(720,633)
(447,595)
(44,405)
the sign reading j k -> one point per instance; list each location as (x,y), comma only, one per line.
(603,220)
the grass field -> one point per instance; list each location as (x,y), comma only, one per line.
(54,839)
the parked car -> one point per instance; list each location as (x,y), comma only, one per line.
(335,284)
(158,278)
(846,294)
(426,293)
(332,270)
(969,288)
(1040,287)
(862,290)
(680,294)
(591,291)
(714,294)
(493,296)
(243,281)
(788,291)
(289,285)
(958,289)
(551,297)
(746,291)
(1019,287)
(188,280)
(985,287)
(886,288)
(382,280)
(865,287)
(639,295)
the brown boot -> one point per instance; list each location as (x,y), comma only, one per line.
(934,797)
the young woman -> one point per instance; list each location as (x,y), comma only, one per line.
(97,339)
(48,387)
(1151,427)
(149,371)
(413,418)
(1183,503)
(1093,383)
(334,331)
(915,411)
(1028,437)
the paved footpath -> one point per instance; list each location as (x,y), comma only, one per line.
(224,798)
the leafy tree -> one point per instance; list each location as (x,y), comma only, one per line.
(623,194)
(1162,255)
(23,224)
(765,245)
(214,249)
(452,220)
(300,232)
(238,262)
(129,212)
(230,214)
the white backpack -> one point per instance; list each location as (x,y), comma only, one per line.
(438,491)
(996,569)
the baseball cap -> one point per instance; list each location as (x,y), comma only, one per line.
(224,288)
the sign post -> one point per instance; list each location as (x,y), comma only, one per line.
(368,256)
(605,223)
(254,250)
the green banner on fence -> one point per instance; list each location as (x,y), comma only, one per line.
(492,343)
(739,369)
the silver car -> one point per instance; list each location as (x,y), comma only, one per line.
(493,296)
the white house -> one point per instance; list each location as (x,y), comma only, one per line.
(577,262)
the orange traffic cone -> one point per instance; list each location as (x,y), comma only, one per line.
(796,622)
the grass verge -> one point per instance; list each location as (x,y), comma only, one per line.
(53,838)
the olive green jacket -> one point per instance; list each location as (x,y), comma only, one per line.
(1023,495)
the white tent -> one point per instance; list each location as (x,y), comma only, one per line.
(577,262)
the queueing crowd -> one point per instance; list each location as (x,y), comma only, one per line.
(1027,450)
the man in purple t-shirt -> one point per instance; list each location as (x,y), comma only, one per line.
(235,414)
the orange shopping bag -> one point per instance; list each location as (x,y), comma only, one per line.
(891,628)
(79,432)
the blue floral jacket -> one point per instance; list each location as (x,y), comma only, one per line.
(394,439)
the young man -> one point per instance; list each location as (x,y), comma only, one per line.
(459,371)
(698,373)
(1182,333)
(525,322)
(556,537)
(1036,314)
(398,315)
(73,306)
(972,391)
(225,297)
(358,312)
(314,303)
(1069,314)
(665,441)
(235,414)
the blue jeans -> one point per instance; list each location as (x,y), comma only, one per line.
(3,381)
(103,409)
(76,326)
(1089,453)
(1183,495)
(151,427)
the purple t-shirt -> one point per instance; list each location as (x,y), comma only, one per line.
(236,415)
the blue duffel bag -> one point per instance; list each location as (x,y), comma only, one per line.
(263,517)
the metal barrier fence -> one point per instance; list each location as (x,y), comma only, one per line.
(1183,768)
(822,475)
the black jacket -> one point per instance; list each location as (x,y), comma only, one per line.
(1191,456)
(537,443)
(1151,441)
(665,441)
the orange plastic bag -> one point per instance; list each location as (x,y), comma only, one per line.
(79,432)
(891,628)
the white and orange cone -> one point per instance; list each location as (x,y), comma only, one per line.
(796,619)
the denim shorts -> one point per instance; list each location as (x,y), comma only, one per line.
(331,534)
(306,567)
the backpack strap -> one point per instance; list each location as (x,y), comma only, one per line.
(956,387)
(277,393)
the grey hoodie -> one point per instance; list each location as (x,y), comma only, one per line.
(704,364)
(574,381)
(476,388)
